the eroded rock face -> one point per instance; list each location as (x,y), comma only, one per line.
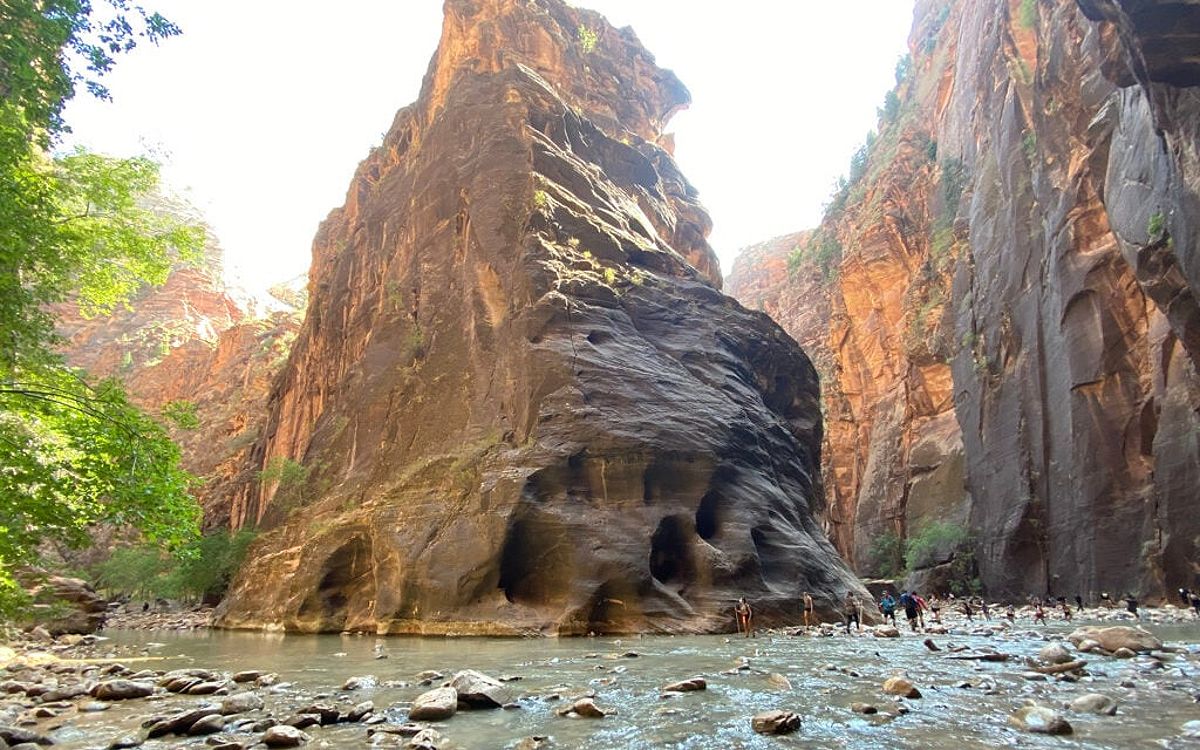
(519,398)
(1013,324)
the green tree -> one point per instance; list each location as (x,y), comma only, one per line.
(74,453)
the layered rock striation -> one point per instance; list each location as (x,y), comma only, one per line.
(519,400)
(1013,315)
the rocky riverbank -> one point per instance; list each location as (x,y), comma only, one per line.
(128,691)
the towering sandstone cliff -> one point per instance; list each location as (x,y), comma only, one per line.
(1011,312)
(519,399)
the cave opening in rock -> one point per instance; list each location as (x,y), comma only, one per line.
(709,515)
(671,556)
(611,608)
(348,579)
(535,562)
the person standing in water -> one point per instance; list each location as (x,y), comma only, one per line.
(922,605)
(745,617)
(1079,602)
(910,609)
(1131,606)
(850,612)
(887,605)
(808,609)
(1038,612)
(1196,603)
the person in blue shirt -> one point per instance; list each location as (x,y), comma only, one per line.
(887,605)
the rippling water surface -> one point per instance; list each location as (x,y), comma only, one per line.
(955,712)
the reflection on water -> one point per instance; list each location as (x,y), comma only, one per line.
(955,711)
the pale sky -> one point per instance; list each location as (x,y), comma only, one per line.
(263,108)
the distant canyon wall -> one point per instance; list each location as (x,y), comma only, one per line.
(1002,302)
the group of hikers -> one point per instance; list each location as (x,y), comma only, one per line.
(915,608)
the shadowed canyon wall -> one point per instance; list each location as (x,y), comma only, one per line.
(1006,292)
(519,400)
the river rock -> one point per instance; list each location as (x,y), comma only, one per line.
(775,722)
(863,708)
(901,686)
(587,708)
(120,690)
(1116,637)
(1041,720)
(886,631)
(1054,653)
(477,690)
(360,711)
(16,736)
(1094,703)
(126,742)
(360,682)
(181,721)
(426,739)
(435,705)
(247,675)
(1124,653)
(778,681)
(284,736)
(210,724)
(687,686)
(1191,729)
(240,703)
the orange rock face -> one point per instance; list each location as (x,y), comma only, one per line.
(519,400)
(1012,323)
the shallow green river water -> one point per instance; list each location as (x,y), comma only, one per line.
(955,711)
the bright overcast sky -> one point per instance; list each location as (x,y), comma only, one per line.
(263,108)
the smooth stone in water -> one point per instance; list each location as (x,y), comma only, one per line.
(284,736)
(689,685)
(478,690)
(1054,654)
(240,703)
(435,705)
(1094,703)
(775,722)
(901,686)
(120,690)
(210,724)
(1041,720)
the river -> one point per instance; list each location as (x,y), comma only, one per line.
(965,704)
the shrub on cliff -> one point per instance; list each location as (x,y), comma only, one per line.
(200,570)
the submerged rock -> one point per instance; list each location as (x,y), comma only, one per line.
(1094,703)
(1041,720)
(284,736)
(901,686)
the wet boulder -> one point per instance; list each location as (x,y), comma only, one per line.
(1054,653)
(120,690)
(902,686)
(477,690)
(284,736)
(775,722)
(435,705)
(1116,637)
(1094,703)
(240,703)
(687,686)
(1041,720)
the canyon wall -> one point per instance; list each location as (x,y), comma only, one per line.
(519,401)
(202,350)
(1007,292)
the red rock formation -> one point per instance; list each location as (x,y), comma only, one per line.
(519,399)
(1019,354)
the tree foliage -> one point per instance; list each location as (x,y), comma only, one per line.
(74,453)
(201,569)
